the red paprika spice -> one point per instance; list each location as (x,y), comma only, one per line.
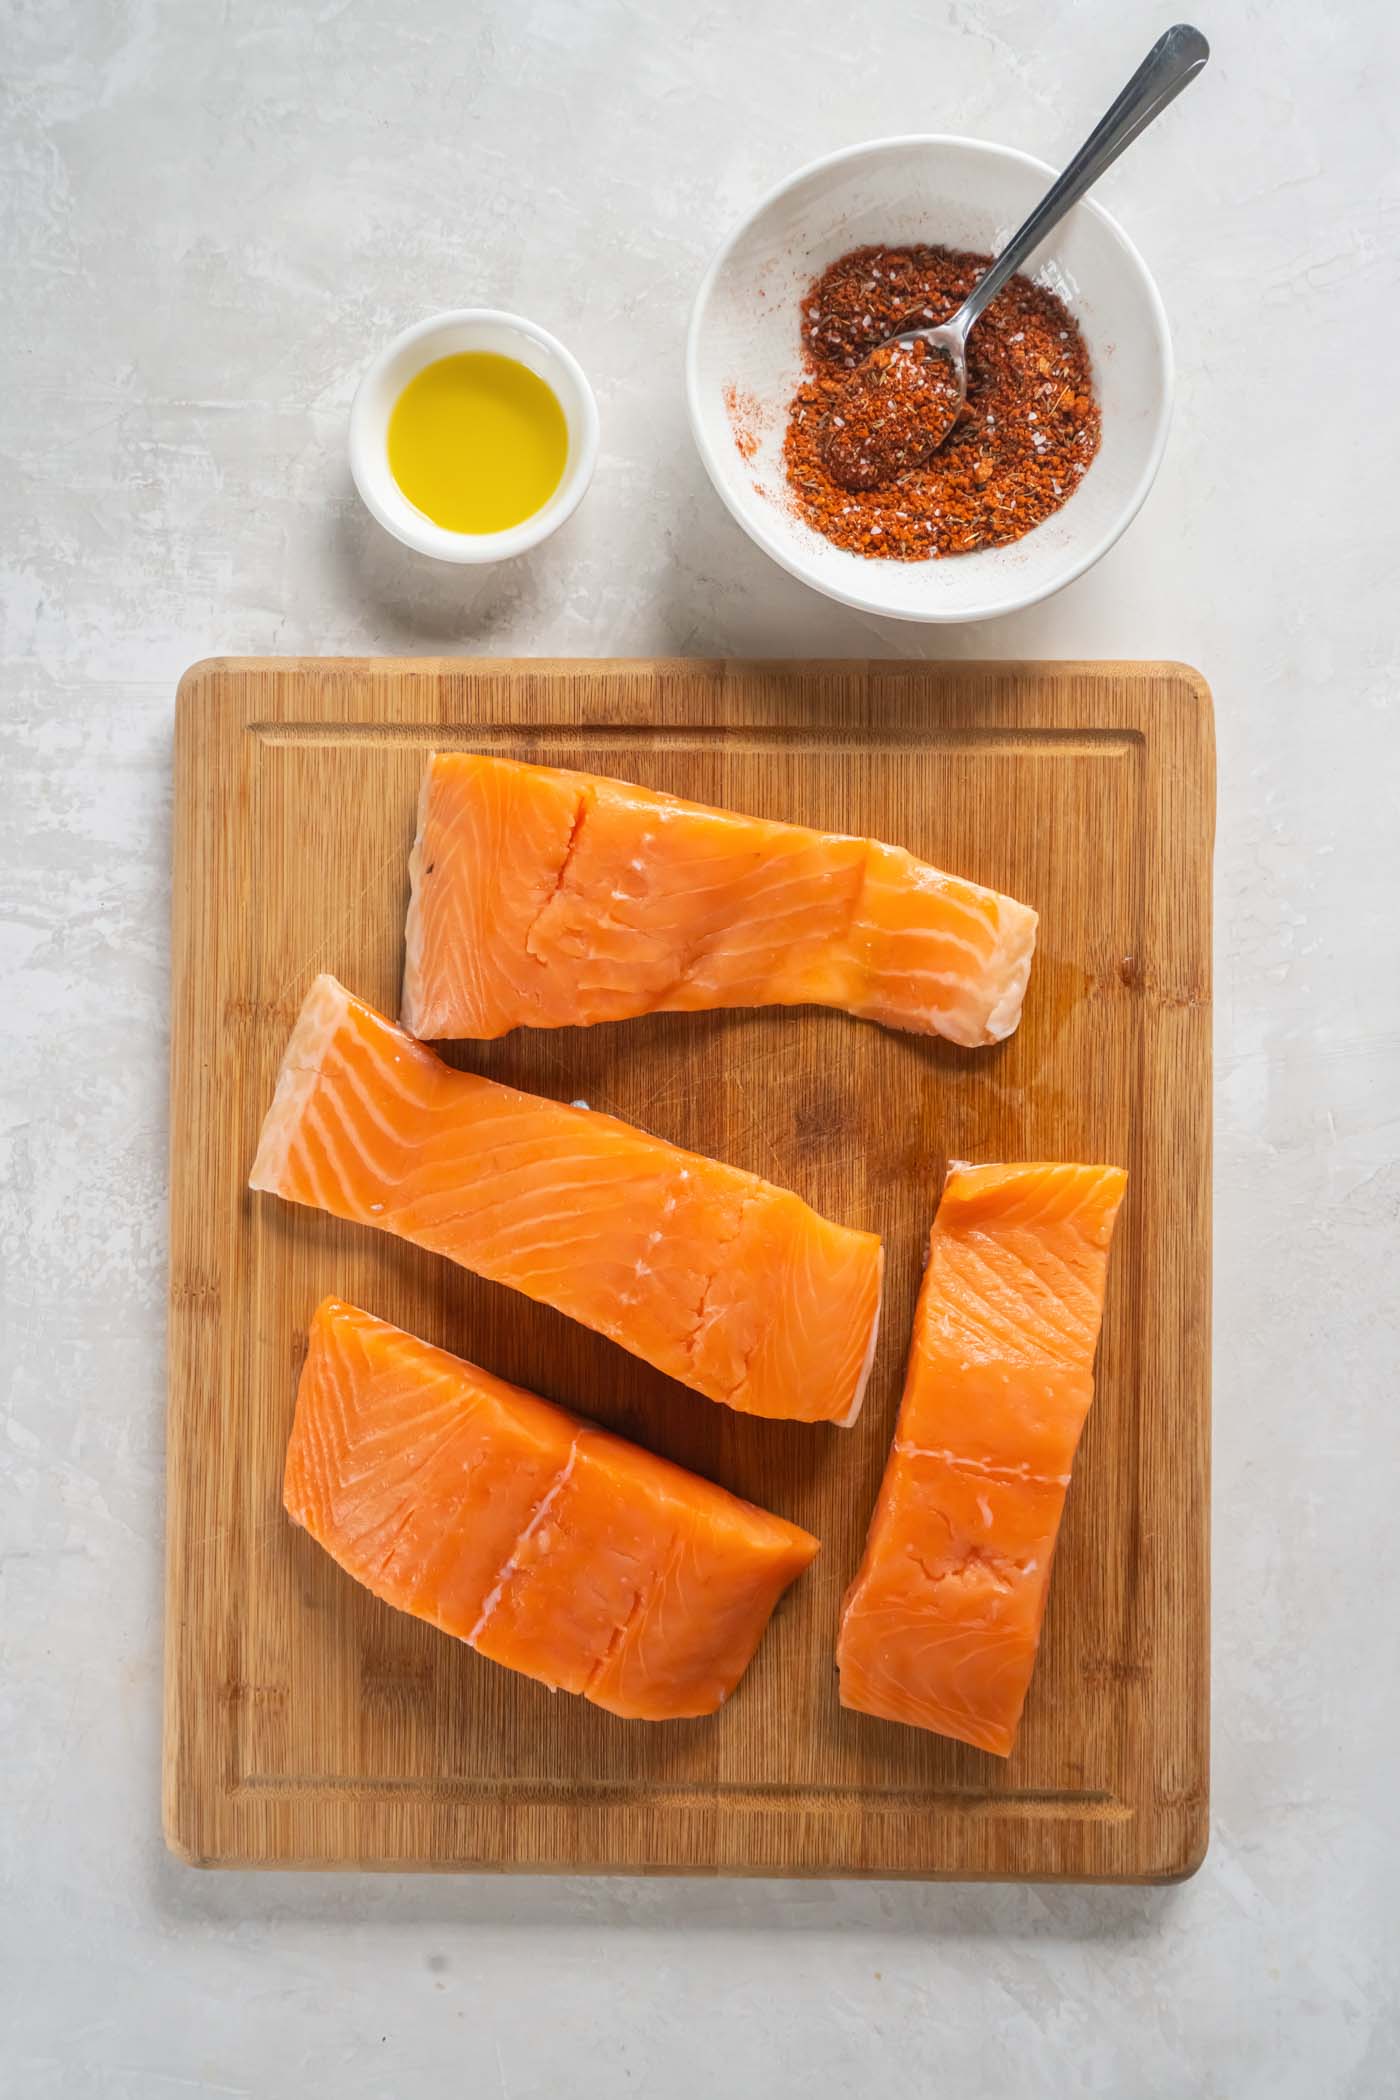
(1019,450)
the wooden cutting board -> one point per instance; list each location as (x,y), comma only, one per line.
(307,1723)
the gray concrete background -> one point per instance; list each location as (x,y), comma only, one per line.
(209,218)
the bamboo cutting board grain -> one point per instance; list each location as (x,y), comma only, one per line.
(307,1723)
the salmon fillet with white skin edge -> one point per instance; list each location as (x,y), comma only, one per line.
(734,1287)
(549,899)
(542,1541)
(940,1627)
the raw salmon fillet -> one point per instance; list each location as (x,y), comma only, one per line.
(540,1540)
(732,1286)
(548,899)
(941,1625)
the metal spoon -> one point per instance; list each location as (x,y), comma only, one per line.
(1174,60)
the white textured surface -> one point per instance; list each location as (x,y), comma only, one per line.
(210,219)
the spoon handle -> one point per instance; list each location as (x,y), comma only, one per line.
(1174,60)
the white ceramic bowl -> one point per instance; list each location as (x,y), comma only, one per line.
(958,193)
(448,335)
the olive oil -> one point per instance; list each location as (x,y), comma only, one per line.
(478,442)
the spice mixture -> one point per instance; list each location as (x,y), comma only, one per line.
(1019,450)
(745,414)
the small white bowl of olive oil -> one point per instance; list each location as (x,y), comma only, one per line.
(473,436)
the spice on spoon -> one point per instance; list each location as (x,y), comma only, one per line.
(895,409)
(1024,442)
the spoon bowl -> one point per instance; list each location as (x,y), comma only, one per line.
(901,404)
